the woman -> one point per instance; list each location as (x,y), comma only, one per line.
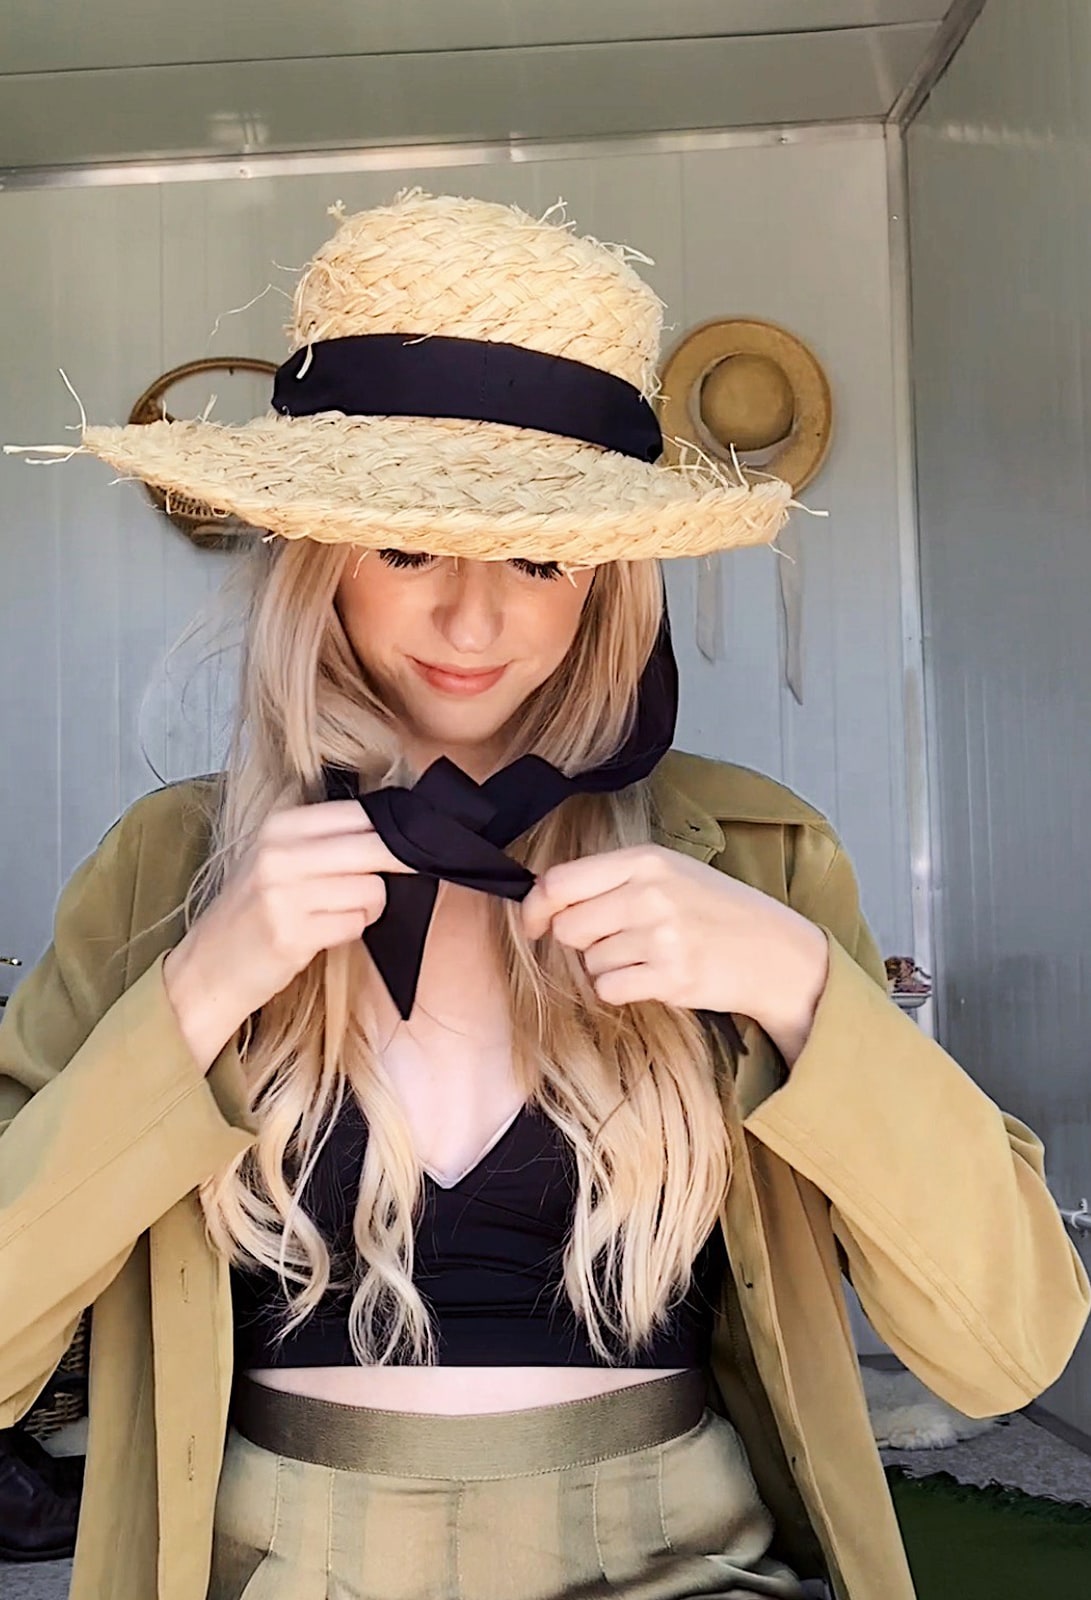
(386,1095)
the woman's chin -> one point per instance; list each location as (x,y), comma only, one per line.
(466,730)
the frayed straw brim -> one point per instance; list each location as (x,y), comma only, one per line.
(484,491)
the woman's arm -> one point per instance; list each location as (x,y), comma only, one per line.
(938,1198)
(105,1119)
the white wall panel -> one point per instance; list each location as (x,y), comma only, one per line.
(119,284)
(1001,256)
(804,242)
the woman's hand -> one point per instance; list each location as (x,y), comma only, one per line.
(653,924)
(309,882)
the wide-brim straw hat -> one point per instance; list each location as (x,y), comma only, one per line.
(448,275)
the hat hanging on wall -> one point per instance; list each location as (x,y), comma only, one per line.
(202,526)
(745,385)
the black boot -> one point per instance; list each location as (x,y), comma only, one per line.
(39,1500)
(63,1472)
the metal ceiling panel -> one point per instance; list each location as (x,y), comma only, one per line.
(568,92)
(71,35)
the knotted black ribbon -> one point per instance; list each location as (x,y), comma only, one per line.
(449,826)
(480,380)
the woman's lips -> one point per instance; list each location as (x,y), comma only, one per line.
(451,681)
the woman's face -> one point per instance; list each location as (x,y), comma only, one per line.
(456,646)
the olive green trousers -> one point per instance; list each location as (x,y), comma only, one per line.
(641,1493)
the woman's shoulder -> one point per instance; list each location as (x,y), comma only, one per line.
(690,788)
(182,811)
(162,838)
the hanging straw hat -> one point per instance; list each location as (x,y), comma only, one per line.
(742,384)
(464,380)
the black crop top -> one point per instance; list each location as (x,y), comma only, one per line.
(487,1260)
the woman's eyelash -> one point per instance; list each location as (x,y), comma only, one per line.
(405,558)
(537,569)
(411,558)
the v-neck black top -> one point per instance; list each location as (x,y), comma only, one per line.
(487,1262)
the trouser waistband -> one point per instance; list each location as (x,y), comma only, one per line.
(496,1445)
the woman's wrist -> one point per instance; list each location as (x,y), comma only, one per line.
(792,987)
(208,1015)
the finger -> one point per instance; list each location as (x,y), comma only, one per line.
(570,882)
(626,986)
(357,892)
(585,924)
(325,817)
(328,856)
(628,948)
(329,929)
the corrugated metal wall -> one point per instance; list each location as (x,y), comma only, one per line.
(118,284)
(1001,265)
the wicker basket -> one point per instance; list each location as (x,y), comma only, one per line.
(64,1399)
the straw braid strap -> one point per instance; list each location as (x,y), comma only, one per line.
(475,270)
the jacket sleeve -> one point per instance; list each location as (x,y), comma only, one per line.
(105,1119)
(938,1198)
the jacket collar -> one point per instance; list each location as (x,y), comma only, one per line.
(680,820)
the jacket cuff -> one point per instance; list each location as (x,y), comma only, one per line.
(939,1199)
(225,1079)
(866,1079)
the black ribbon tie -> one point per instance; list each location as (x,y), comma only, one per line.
(448,826)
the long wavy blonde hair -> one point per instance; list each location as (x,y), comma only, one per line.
(637,1090)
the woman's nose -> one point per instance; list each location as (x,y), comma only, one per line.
(470,610)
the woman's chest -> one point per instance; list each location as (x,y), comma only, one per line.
(455,1098)
(450,1069)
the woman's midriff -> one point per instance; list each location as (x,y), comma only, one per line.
(454,1391)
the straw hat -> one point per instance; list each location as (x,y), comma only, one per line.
(741,384)
(464,380)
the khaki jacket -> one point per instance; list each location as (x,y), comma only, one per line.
(877,1156)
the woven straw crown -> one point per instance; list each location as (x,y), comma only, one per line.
(473,270)
(470,269)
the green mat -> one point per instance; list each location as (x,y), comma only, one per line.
(965,1543)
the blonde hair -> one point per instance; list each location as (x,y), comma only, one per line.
(634,1089)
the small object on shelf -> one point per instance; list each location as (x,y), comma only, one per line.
(908,984)
(910,1002)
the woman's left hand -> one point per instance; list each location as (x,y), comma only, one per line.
(653,924)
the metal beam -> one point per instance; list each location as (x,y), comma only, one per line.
(949,39)
(398,158)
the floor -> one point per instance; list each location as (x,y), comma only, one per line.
(49,1581)
(1018,1453)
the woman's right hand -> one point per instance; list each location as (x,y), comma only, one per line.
(309,882)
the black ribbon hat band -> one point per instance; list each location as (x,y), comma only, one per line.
(407,375)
